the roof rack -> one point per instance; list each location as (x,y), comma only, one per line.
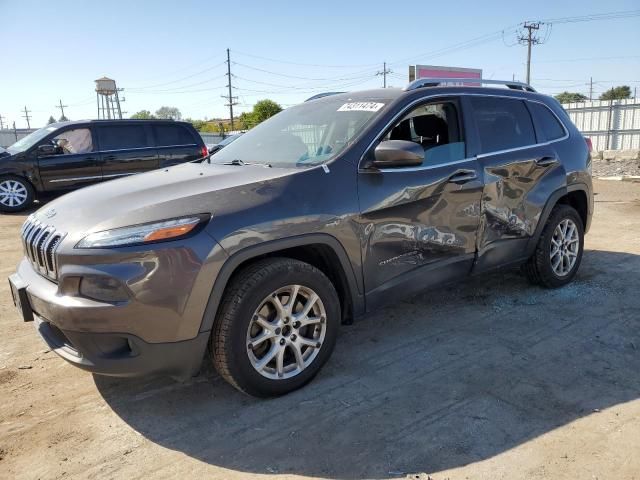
(435,82)
(321,95)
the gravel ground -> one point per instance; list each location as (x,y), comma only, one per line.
(616,168)
(488,379)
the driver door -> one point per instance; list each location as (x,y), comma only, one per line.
(75,162)
(420,223)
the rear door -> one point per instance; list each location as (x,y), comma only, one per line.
(176,144)
(520,171)
(75,163)
(126,149)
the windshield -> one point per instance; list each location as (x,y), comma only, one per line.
(228,140)
(305,135)
(30,140)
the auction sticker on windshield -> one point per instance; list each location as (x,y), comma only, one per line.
(361,107)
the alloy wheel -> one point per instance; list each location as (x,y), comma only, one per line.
(12,193)
(565,245)
(286,332)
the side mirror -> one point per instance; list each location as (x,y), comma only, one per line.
(46,150)
(398,153)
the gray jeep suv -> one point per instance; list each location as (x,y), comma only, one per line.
(318,215)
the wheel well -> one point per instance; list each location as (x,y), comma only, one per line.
(325,259)
(578,200)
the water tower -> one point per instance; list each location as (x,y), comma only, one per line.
(107,99)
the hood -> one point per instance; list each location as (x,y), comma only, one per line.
(185,189)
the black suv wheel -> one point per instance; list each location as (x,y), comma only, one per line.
(16,194)
(276,327)
(559,251)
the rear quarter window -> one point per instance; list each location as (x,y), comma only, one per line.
(502,123)
(167,135)
(121,137)
(547,124)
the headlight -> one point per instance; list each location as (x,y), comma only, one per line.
(142,234)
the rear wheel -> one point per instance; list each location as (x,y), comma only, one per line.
(16,194)
(276,327)
(558,254)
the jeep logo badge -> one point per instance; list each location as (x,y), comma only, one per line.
(50,213)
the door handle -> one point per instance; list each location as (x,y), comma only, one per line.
(546,161)
(462,176)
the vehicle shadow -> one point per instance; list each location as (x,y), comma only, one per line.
(451,377)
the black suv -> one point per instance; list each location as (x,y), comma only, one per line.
(316,216)
(70,155)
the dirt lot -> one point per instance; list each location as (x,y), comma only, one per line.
(489,379)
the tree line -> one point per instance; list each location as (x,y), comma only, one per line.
(616,93)
(246,120)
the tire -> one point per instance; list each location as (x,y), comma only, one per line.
(250,304)
(539,269)
(16,194)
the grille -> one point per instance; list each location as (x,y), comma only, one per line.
(40,242)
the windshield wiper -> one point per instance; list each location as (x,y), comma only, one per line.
(241,163)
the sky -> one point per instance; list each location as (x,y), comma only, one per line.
(173,53)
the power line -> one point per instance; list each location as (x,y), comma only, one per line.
(296,77)
(179,79)
(26,115)
(230,98)
(61,107)
(529,39)
(384,73)
(183,87)
(302,64)
(594,17)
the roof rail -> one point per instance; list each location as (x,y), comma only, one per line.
(322,95)
(435,82)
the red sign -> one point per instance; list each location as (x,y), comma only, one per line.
(432,71)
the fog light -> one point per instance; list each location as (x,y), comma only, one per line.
(103,289)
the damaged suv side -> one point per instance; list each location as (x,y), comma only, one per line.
(324,212)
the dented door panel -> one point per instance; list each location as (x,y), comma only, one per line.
(516,186)
(413,218)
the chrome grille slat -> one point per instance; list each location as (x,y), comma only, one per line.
(46,233)
(30,237)
(40,243)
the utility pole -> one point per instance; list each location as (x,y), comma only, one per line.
(384,74)
(529,39)
(590,88)
(26,115)
(15,131)
(1,124)
(61,107)
(230,98)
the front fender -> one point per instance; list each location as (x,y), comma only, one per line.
(270,247)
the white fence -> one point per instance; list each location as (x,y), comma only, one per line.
(8,136)
(611,125)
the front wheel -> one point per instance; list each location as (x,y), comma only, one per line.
(276,327)
(558,253)
(16,194)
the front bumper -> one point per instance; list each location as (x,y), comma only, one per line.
(123,355)
(155,328)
